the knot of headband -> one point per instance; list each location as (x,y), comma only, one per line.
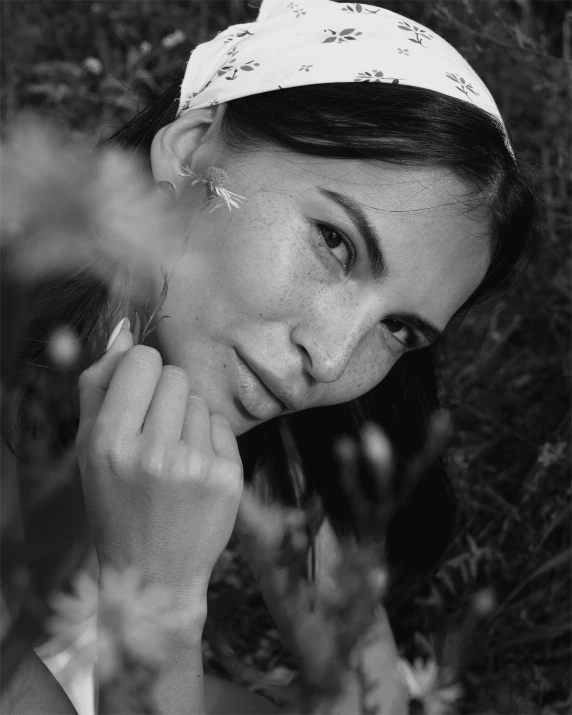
(319,41)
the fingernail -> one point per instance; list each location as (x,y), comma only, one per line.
(122,324)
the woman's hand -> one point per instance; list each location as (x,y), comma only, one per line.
(162,477)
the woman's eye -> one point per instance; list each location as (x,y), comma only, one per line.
(400,332)
(340,247)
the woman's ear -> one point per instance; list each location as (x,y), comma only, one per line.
(191,141)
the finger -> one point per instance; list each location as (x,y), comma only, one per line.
(130,392)
(223,439)
(166,413)
(94,382)
(196,430)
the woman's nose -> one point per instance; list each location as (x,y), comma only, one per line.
(328,344)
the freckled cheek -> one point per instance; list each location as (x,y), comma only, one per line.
(266,271)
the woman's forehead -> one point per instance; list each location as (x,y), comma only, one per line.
(378,185)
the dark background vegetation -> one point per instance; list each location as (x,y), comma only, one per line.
(89,66)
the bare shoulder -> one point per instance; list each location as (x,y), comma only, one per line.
(34,691)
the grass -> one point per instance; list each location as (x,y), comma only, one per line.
(89,66)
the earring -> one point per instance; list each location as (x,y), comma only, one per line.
(168,190)
(214,179)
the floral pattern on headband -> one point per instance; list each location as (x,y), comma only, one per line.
(303,42)
(420,32)
(296,9)
(228,67)
(462,85)
(349,33)
(375,76)
(238,35)
(359,8)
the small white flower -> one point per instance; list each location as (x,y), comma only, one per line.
(214,179)
(422,682)
(93,65)
(174,39)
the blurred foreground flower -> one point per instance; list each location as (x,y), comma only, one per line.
(329,628)
(334,630)
(63,207)
(120,621)
(64,347)
(72,627)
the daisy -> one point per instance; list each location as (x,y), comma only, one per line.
(423,683)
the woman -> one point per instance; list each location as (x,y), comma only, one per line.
(382,200)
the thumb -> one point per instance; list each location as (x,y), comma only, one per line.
(94,381)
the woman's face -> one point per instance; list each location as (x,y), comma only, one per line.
(329,272)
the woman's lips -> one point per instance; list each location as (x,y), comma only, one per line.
(253,394)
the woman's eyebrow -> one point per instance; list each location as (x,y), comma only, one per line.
(373,245)
(371,238)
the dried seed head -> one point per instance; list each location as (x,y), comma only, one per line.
(216,176)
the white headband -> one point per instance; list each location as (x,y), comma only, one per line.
(317,42)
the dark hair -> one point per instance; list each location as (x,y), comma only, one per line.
(398,124)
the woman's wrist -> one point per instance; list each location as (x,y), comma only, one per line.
(190,619)
(149,608)
(189,603)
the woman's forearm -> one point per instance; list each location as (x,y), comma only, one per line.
(180,687)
